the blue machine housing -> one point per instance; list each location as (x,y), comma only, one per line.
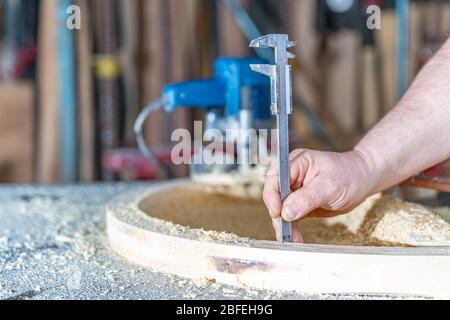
(231,75)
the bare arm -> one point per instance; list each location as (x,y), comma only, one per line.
(416,134)
(411,138)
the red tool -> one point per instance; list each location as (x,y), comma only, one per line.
(431,179)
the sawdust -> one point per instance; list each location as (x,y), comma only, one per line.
(53,246)
(410,224)
(215,216)
(130,208)
(243,185)
(186,210)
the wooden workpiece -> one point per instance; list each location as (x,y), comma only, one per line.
(230,259)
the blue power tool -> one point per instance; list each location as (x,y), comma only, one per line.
(235,98)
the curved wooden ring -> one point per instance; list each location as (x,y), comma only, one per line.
(311,269)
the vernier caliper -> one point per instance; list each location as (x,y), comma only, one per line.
(281,92)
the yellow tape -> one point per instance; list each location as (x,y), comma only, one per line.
(107,67)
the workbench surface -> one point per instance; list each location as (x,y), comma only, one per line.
(53,246)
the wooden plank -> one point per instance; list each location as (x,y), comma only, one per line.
(183,29)
(232,42)
(385,40)
(168,49)
(129,47)
(371,111)
(204,51)
(152,75)
(16,132)
(306,71)
(416,38)
(307,76)
(86,96)
(431,21)
(444,20)
(47,77)
(342,83)
(313,269)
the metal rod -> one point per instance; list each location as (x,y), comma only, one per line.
(281,92)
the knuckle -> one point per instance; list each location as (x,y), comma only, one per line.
(297,154)
(304,202)
(340,201)
(271,172)
(309,201)
(333,187)
(334,192)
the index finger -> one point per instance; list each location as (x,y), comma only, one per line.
(271,194)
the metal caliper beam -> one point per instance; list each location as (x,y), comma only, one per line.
(281,93)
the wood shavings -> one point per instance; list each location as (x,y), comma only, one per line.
(248,185)
(410,224)
(70,212)
(380,221)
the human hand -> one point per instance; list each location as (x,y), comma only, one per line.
(324,184)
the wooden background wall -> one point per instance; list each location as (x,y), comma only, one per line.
(339,84)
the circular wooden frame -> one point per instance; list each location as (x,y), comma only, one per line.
(311,269)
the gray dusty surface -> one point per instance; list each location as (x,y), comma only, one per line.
(53,246)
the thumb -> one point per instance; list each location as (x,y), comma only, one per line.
(307,199)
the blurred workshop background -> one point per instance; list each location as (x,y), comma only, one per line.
(69,99)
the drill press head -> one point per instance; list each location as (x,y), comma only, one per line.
(236,98)
(234,87)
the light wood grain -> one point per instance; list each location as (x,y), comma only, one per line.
(307,75)
(371,111)
(342,83)
(48,160)
(385,39)
(269,265)
(232,42)
(153,67)
(86,95)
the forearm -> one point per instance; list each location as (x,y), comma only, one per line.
(416,134)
